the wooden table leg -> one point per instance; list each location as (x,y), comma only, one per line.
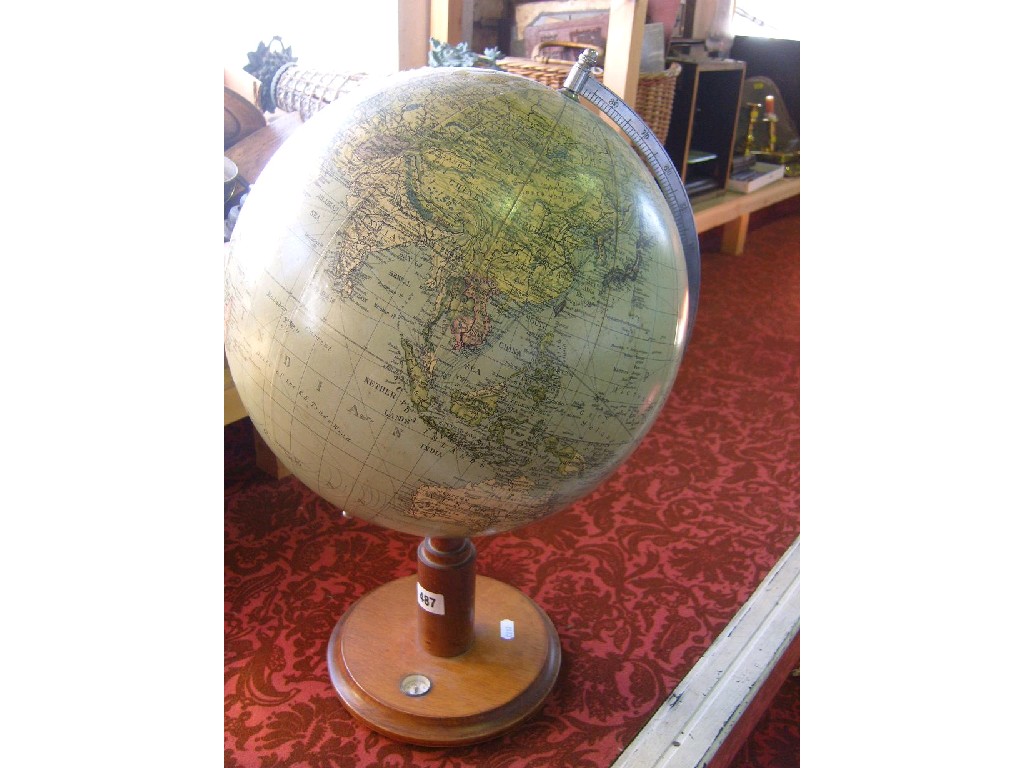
(266,460)
(734,236)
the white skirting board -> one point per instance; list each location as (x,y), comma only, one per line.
(696,719)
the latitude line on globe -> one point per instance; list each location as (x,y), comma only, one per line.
(364,350)
(300,308)
(521,186)
(556,122)
(352,383)
(278,396)
(363,465)
(539,155)
(290,404)
(336,222)
(606,298)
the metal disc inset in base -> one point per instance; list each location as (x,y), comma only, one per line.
(390,684)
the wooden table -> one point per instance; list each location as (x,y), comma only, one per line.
(733,210)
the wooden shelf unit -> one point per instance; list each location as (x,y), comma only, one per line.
(703,122)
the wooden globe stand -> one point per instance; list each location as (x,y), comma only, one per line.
(444,657)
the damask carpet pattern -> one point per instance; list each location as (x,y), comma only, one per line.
(775,740)
(638,578)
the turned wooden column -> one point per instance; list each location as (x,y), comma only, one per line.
(434,668)
(446,592)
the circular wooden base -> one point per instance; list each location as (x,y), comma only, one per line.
(486,691)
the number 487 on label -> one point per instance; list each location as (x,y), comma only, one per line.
(430,601)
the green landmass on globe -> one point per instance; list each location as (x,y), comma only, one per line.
(454,302)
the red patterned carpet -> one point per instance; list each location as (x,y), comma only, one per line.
(775,741)
(638,578)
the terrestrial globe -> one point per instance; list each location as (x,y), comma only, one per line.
(454,302)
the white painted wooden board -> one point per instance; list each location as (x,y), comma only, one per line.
(695,720)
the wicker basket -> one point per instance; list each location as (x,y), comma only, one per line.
(307,91)
(654,93)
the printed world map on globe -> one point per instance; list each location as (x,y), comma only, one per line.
(454,302)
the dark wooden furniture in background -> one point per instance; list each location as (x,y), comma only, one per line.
(703,125)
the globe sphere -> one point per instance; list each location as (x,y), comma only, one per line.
(455,301)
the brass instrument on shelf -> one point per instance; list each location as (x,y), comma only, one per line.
(748,144)
(771,137)
(771,118)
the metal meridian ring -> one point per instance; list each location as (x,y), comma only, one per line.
(579,83)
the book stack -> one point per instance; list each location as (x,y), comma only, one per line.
(700,187)
(700,173)
(748,174)
(741,163)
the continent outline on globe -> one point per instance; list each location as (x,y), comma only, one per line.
(446,310)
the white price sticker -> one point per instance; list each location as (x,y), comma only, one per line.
(508,629)
(430,601)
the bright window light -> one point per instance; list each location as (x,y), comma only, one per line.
(344,36)
(767,18)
